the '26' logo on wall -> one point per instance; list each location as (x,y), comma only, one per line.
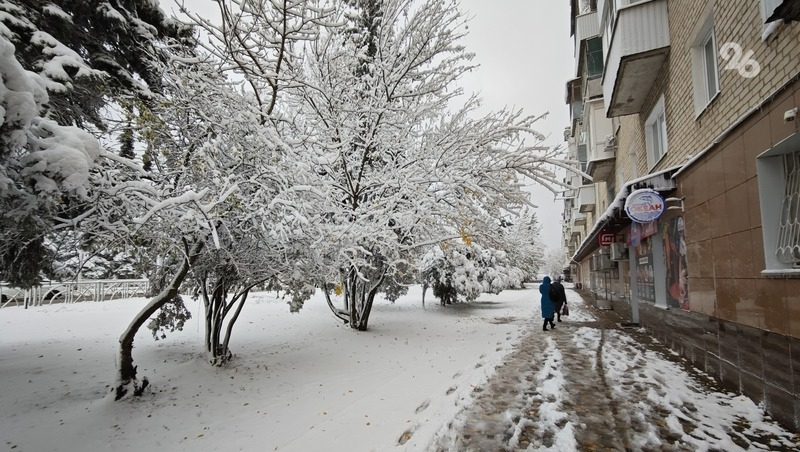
(739,60)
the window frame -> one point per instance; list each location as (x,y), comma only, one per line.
(711,38)
(656,129)
(598,54)
(704,33)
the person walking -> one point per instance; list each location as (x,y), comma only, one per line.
(559,296)
(548,310)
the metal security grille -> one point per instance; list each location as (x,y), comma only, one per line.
(788,246)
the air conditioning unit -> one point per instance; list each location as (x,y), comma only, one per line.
(619,252)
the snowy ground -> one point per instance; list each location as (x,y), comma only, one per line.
(590,386)
(299,382)
(481,376)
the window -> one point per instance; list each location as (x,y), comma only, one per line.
(594,57)
(710,67)
(787,249)
(705,71)
(779,195)
(656,133)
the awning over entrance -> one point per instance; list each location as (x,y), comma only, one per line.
(614,218)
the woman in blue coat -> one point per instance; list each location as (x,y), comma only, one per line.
(548,309)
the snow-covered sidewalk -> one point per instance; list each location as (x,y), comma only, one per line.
(588,385)
(300,382)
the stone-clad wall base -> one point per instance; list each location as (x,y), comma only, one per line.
(760,364)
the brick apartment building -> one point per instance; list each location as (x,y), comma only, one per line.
(694,101)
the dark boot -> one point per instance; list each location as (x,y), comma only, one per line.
(544,326)
(552,324)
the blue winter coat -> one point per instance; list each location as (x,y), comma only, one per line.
(548,309)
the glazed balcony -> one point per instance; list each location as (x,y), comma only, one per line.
(586,199)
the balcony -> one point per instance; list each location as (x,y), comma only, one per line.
(601,163)
(586,26)
(593,88)
(578,219)
(637,50)
(575,102)
(586,199)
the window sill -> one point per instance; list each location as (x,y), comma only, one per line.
(781,273)
(651,168)
(701,112)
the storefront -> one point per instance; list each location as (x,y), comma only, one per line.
(658,251)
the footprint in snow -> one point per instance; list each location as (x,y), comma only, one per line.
(422,406)
(451,390)
(405,437)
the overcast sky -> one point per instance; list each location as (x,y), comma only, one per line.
(524,51)
(526,58)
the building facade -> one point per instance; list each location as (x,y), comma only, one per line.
(689,108)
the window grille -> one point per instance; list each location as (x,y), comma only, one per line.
(788,246)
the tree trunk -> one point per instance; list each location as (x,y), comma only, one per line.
(339,313)
(217,309)
(361,294)
(424,290)
(232,321)
(126,378)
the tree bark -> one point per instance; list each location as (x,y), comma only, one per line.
(340,314)
(363,297)
(126,378)
(232,321)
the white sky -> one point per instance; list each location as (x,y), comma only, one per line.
(526,57)
(524,51)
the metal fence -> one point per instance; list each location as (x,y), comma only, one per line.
(73,292)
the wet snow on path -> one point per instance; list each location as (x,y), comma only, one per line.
(589,385)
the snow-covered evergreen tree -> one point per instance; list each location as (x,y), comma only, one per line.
(70,60)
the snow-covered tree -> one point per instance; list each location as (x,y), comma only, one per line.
(71,59)
(44,166)
(221,201)
(522,242)
(261,41)
(466,271)
(555,262)
(119,39)
(399,171)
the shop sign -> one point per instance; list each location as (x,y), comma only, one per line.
(644,205)
(606,239)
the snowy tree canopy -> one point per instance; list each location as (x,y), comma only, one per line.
(63,63)
(86,50)
(301,144)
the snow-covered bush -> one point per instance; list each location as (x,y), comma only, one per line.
(466,271)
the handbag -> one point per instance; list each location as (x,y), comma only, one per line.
(565,310)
